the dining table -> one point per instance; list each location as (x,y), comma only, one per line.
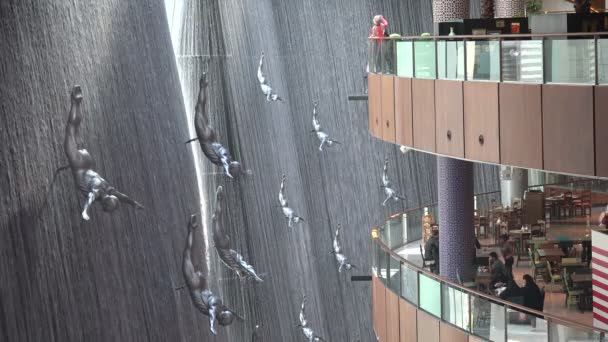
(581,278)
(520,236)
(550,254)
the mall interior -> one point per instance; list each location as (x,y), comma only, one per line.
(303,170)
(527,262)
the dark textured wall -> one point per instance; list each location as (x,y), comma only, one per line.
(112,278)
(314,50)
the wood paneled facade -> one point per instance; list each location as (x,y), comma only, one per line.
(397,320)
(552,127)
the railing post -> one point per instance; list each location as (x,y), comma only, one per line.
(413,58)
(464,41)
(597,71)
(500,61)
(544,78)
(436,60)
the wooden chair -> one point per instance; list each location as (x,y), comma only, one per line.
(553,277)
(539,269)
(566,261)
(566,208)
(572,296)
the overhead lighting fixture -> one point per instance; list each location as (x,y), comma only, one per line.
(375,233)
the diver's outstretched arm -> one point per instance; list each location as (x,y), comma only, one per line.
(90,199)
(70,144)
(219,199)
(385,180)
(201,118)
(261,78)
(190,275)
(212,311)
(282,196)
(125,199)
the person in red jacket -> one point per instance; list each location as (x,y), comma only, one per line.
(378,31)
(379,28)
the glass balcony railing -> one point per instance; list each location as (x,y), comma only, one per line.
(525,58)
(474,312)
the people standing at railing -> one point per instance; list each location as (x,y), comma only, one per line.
(378,32)
(431,251)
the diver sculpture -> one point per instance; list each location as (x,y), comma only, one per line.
(202,298)
(340,258)
(221,240)
(266,89)
(306,330)
(386,184)
(213,150)
(321,135)
(289,213)
(81,163)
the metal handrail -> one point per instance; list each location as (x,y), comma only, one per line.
(497,300)
(495,36)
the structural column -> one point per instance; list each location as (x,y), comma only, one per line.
(456,231)
(509,8)
(513,184)
(447,10)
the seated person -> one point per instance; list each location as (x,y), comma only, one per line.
(512,290)
(431,250)
(497,271)
(532,294)
(507,254)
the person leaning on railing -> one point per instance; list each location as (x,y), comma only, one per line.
(379,31)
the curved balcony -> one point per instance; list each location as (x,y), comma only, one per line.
(412,304)
(532,101)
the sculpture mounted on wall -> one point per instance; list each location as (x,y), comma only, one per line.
(81,163)
(289,213)
(306,330)
(340,258)
(202,297)
(321,135)
(221,240)
(389,192)
(266,89)
(214,151)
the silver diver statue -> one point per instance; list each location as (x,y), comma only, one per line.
(213,150)
(266,89)
(81,163)
(321,135)
(221,240)
(386,184)
(202,298)
(340,258)
(289,214)
(306,330)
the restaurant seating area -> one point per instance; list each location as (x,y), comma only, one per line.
(552,244)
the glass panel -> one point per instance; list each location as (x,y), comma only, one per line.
(393,232)
(424,59)
(522,61)
(488,319)
(483,60)
(569,61)
(602,60)
(456,307)
(382,265)
(450,60)
(388,56)
(522,327)
(375,46)
(409,284)
(430,295)
(394,276)
(563,333)
(405,65)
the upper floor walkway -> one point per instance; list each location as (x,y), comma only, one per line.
(532,101)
